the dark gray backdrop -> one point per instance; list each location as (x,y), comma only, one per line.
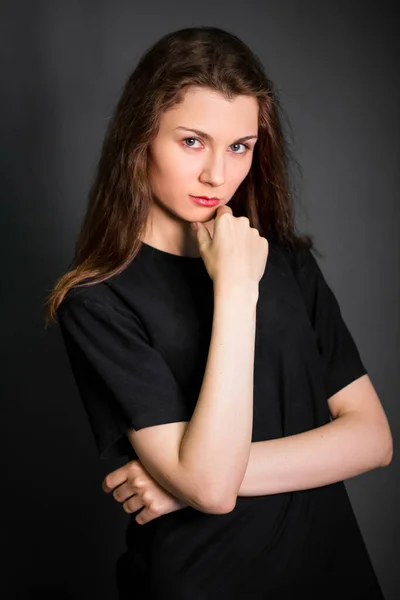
(64,63)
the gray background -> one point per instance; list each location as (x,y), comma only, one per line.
(64,63)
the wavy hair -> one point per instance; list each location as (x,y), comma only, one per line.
(120,196)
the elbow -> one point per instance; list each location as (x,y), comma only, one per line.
(201,496)
(379,437)
(388,455)
(386,446)
(222,508)
(217,505)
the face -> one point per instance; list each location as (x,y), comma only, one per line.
(185,163)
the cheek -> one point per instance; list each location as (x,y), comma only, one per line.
(237,172)
(174,168)
(170,182)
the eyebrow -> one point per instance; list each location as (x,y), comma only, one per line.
(208,137)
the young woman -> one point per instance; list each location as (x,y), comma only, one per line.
(216,358)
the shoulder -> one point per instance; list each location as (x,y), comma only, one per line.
(301,255)
(93,297)
(95,315)
(86,294)
(302,260)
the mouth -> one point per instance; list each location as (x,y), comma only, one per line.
(204,201)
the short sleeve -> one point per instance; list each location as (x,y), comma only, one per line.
(123,381)
(338,350)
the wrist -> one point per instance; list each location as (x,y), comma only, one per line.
(237,292)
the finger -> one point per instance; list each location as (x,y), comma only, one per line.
(120,475)
(114,479)
(210,226)
(145,516)
(223,209)
(133,504)
(124,491)
(203,235)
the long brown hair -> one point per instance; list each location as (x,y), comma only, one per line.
(120,196)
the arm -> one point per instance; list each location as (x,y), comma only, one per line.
(167,439)
(357,440)
(221,425)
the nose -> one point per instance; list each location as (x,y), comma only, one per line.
(213,171)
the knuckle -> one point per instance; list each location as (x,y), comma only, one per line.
(147,498)
(133,466)
(153,508)
(165,507)
(131,481)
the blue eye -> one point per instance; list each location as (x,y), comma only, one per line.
(240,144)
(237,144)
(191,138)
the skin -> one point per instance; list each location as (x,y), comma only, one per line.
(358,438)
(183,163)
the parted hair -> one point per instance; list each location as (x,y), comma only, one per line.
(120,196)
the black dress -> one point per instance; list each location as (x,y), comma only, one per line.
(138,345)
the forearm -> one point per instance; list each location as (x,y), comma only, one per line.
(345,447)
(216,444)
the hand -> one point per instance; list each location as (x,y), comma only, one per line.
(232,251)
(136,489)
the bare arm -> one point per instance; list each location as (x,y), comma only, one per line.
(357,440)
(216,444)
(204,461)
(212,450)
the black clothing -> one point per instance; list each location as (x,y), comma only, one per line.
(138,345)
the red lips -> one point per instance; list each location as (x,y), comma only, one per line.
(207,198)
(204,201)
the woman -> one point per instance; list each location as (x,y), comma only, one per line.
(216,354)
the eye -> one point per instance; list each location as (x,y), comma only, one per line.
(191,139)
(240,144)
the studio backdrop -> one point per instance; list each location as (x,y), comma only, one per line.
(335,68)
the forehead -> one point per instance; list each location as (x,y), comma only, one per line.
(210,111)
